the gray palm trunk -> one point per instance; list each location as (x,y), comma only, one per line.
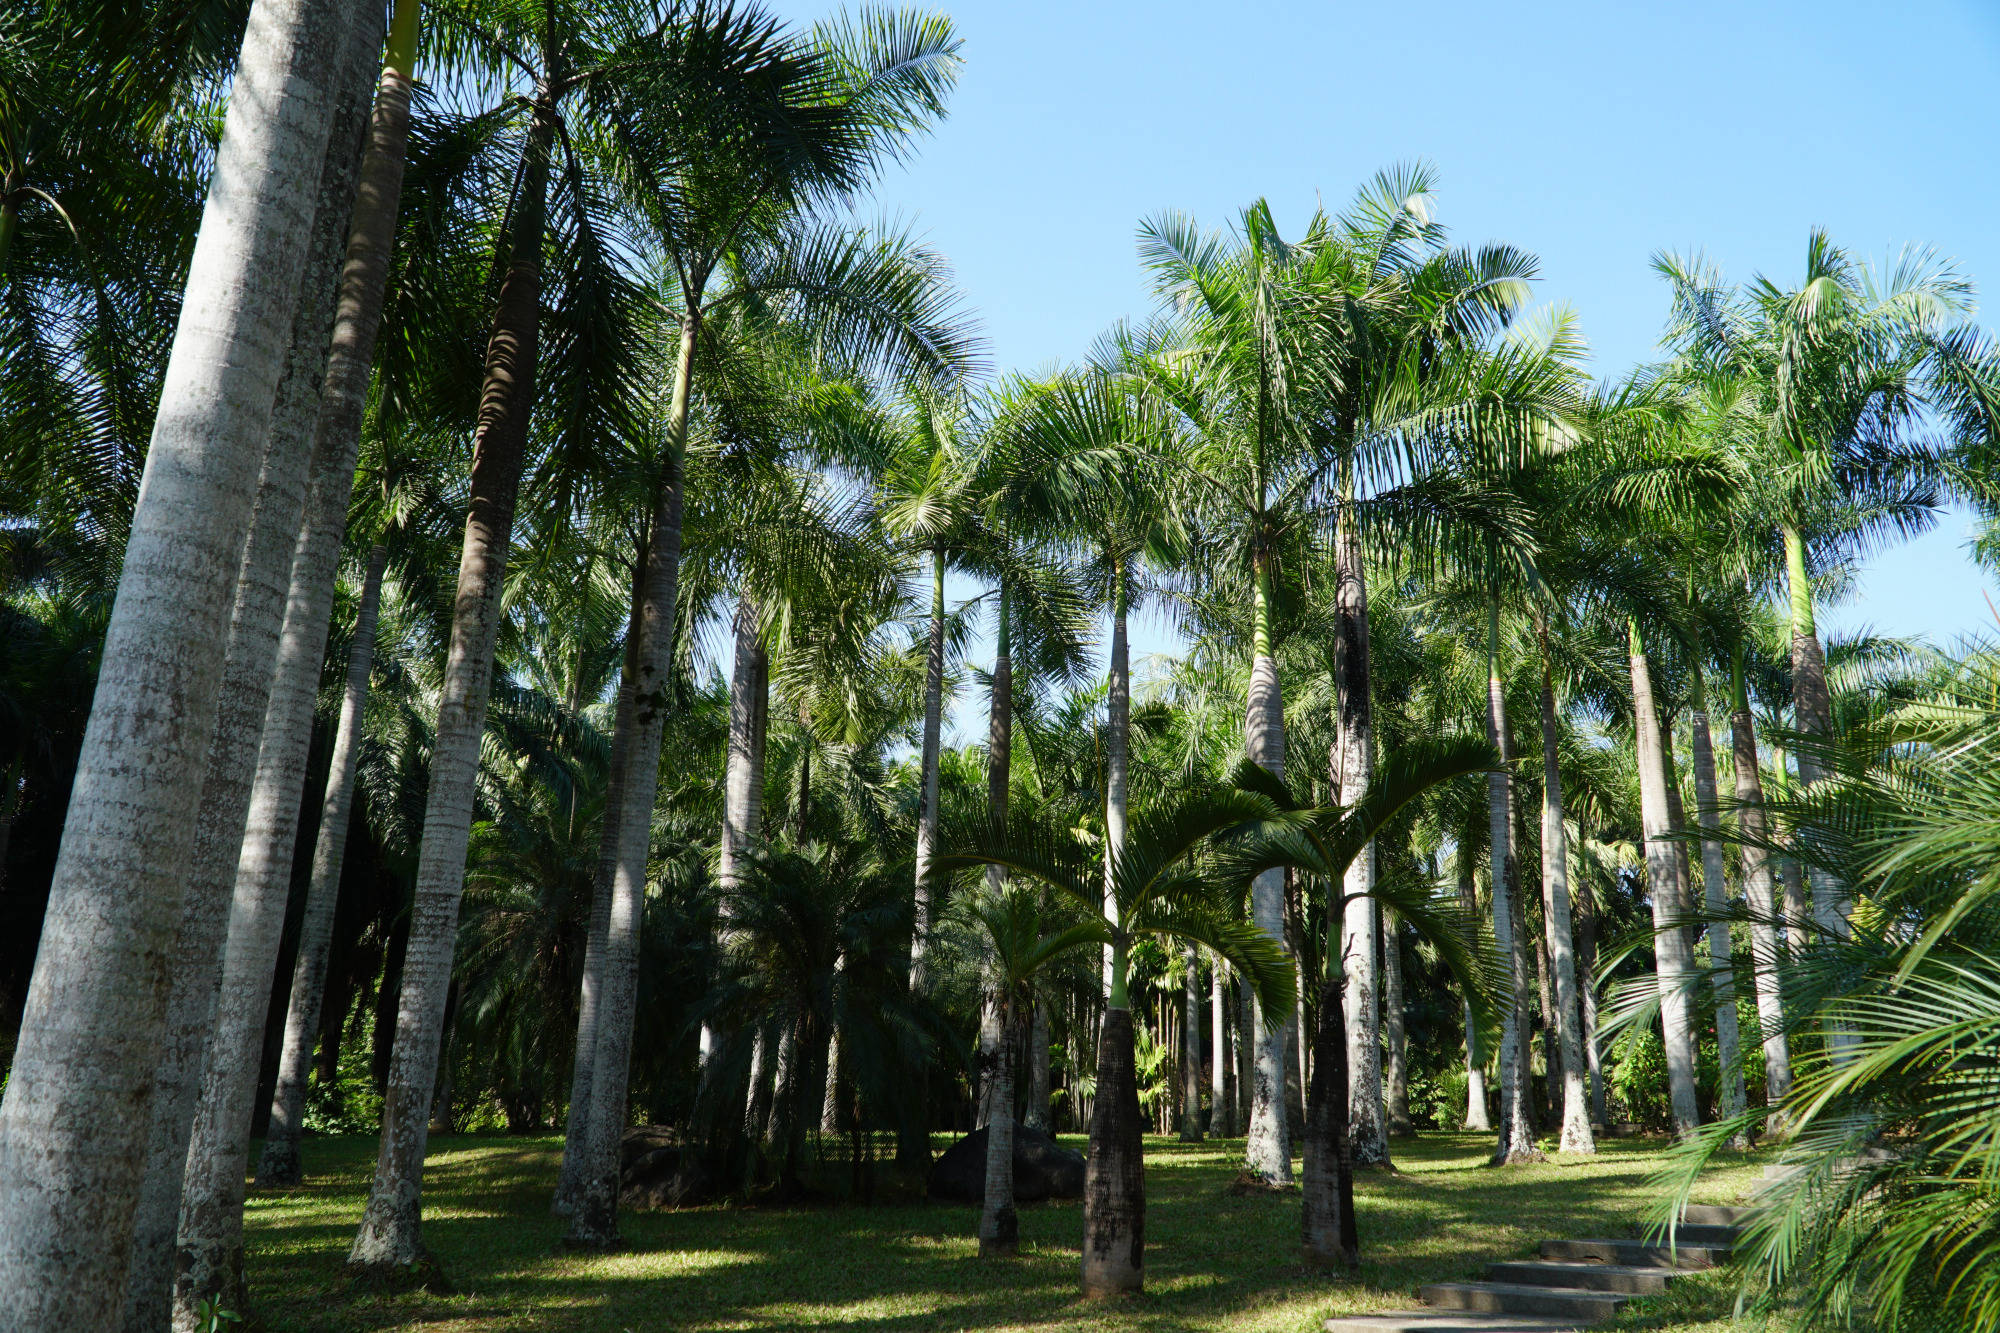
(742,784)
(1715,897)
(1395,1068)
(1268,1148)
(1368,1131)
(75,1121)
(1246,1046)
(239,724)
(1035,1111)
(1477,1118)
(1221,1122)
(593,1221)
(1517,1125)
(357,317)
(1766,949)
(1117,752)
(1557,927)
(999,757)
(280,1162)
(999,1227)
(590,988)
(390,1236)
(927,815)
(1586,963)
(1675,963)
(1191,1047)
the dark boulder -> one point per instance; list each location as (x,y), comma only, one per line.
(656,1171)
(1043,1169)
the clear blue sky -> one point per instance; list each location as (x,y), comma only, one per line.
(1590,134)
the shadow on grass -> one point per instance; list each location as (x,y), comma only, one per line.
(1213,1260)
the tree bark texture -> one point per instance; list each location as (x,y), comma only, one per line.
(1035,1115)
(1354,944)
(1114,1187)
(1766,948)
(390,1235)
(1669,939)
(280,1163)
(75,1121)
(1328,1226)
(255,624)
(1477,1118)
(1268,1149)
(1558,928)
(999,1228)
(593,1222)
(1396,1069)
(1117,752)
(1191,1046)
(927,815)
(1715,897)
(1517,1125)
(1220,1120)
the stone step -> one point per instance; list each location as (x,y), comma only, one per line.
(1638,1253)
(1583,1273)
(1704,1233)
(1446,1321)
(1713,1215)
(1587,1307)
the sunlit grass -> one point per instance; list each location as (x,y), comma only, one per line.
(1214,1259)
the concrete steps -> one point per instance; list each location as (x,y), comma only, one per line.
(1575,1283)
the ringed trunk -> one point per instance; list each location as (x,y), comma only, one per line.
(999,1228)
(1328,1227)
(1517,1124)
(1114,1189)
(1576,1132)
(1715,897)
(1766,949)
(1352,768)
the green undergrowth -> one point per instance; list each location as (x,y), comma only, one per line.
(1215,1258)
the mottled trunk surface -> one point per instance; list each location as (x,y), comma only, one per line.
(1477,1118)
(280,1163)
(1517,1124)
(357,318)
(1035,1114)
(255,623)
(1715,897)
(1559,930)
(999,1228)
(927,816)
(1767,952)
(742,802)
(1353,765)
(1114,1187)
(1268,1148)
(593,1220)
(1191,1130)
(1221,1123)
(1669,939)
(1396,1068)
(1328,1228)
(1246,1056)
(389,1240)
(75,1122)
(1117,752)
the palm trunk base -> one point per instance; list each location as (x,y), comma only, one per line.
(1114,1192)
(279,1165)
(1329,1234)
(1005,1242)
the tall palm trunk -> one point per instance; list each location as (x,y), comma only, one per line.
(280,1164)
(999,1228)
(1268,1149)
(743,792)
(1114,1187)
(1715,896)
(1221,1122)
(927,817)
(1669,938)
(590,988)
(358,312)
(1396,1069)
(1766,949)
(1246,1056)
(1327,1225)
(1586,963)
(999,755)
(255,624)
(1576,1134)
(1517,1123)
(1035,1109)
(1117,748)
(1477,1119)
(1191,1046)
(74,1124)
(390,1235)
(1353,766)
(593,1220)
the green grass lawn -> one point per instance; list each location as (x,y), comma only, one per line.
(1214,1259)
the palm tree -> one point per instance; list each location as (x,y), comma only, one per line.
(744,203)
(1158,890)
(1024,944)
(63,1194)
